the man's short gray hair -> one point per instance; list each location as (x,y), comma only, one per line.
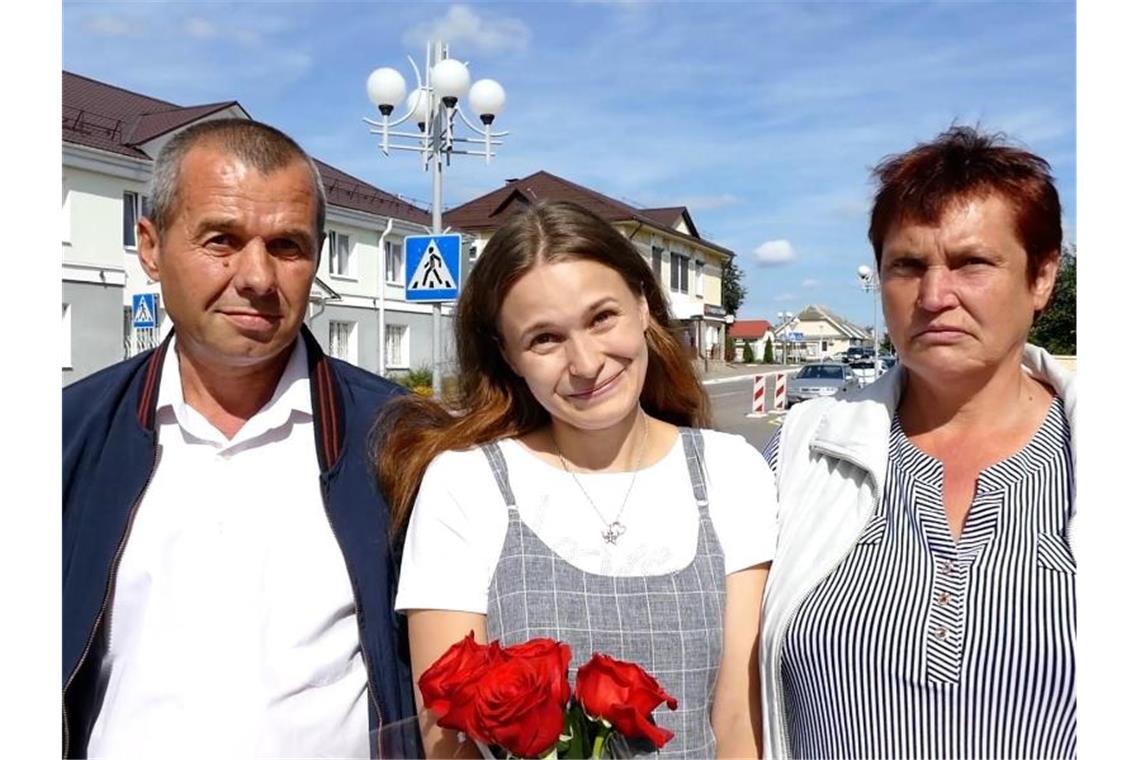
(259,145)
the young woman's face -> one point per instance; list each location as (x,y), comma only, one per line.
(575,333)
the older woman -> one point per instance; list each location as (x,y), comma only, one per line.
(921,599)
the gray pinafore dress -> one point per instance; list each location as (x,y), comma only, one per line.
(670,624)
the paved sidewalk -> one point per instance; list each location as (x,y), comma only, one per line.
(729,373)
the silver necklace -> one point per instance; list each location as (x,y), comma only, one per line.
(614,528)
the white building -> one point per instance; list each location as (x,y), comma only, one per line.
(817,333)
(110,138)
(688,266)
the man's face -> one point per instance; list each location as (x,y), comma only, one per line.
(238,259)
(956,295)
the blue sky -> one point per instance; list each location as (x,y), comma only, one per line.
(763,119)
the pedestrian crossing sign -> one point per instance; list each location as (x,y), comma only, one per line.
(432,266)
(144,309)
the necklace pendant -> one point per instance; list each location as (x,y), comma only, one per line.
(613,532)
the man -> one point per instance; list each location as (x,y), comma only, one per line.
(227,582)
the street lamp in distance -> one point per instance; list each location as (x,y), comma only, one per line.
(785,318)
(869,281)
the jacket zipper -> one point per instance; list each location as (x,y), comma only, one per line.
(784,740)
(359,619)
(106,599)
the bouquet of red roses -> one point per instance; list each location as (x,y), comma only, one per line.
(518,699)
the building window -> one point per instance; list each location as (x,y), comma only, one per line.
(679,273)
(67,336)
(342,340)
(699,278)
(396,346)
(66,214)
(341,262)
(657,253)
(472,254)
(393,262)
(135,206)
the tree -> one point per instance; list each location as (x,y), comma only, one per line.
(1055,330)
(769,355)
(749,356)
(732,290)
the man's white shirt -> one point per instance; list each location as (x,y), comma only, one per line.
(232,629)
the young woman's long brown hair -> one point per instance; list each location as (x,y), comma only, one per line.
(493,402)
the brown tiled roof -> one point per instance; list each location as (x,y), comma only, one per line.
(103,116)
(490,211)
(670,216)
(152,125)
(749,328)
(348,191)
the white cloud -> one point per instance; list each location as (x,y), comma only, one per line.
(774,253)
(463,27)
(200,29)
(810,282)
(109,26)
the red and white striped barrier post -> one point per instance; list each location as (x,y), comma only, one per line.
(758,383)
(780,400)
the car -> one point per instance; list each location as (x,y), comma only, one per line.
(864,371)
(856,353)
(820,379)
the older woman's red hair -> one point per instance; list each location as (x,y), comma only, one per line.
(964,164)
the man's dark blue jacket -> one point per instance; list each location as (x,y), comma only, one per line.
(109,454)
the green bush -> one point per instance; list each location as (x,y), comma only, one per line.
(412,378)
(769,354)
(749,356)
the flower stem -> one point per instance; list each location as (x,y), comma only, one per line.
(599,742)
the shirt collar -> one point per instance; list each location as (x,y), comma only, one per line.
(290,395)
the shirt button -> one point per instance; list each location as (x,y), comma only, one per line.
(948,568)
(940,633)
(943,599)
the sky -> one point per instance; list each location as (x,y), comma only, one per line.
(764,119)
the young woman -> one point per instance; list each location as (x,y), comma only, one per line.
(572,492)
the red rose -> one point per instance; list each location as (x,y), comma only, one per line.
(448,686)
(625,695)
(520,701)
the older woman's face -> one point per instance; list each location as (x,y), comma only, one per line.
(956,296)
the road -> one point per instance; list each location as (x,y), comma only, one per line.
(731,402)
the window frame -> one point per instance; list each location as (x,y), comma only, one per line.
(678,273)
(403,361)
(351,354)
(68,357)
(393,249)
(65,213)
(349,269)
(139,206)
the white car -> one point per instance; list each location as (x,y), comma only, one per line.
(820,379)
(864,371)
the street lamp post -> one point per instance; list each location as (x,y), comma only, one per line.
(785,320)
(434,105)
(869,281)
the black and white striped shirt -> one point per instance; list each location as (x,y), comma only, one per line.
(920,646)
